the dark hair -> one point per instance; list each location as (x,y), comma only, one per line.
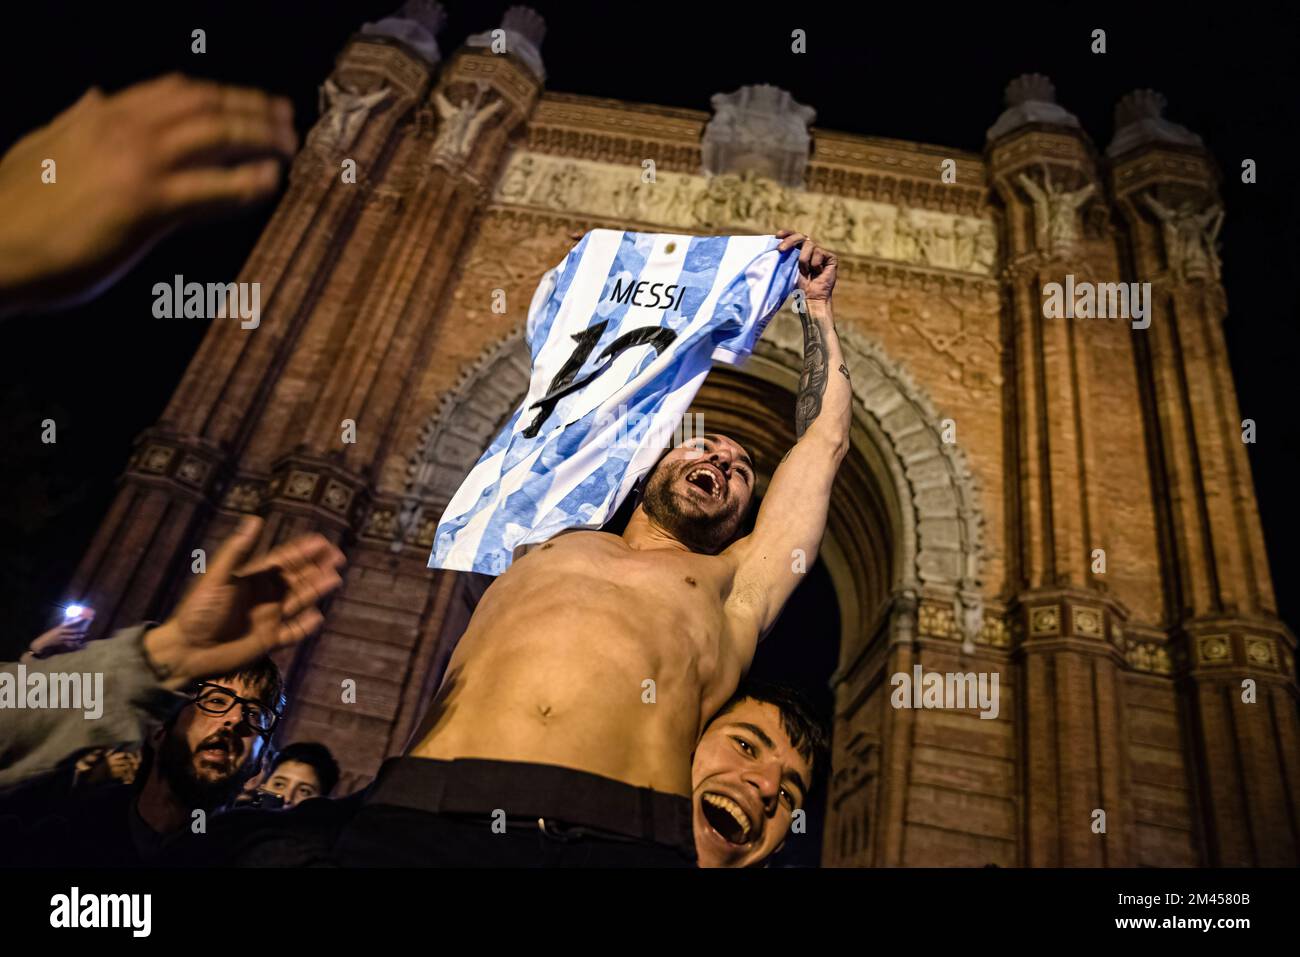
(805,730)
(315,756)
(264,677)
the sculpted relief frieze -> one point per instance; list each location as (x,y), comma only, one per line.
(746,202)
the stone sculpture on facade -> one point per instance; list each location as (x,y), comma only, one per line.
(343,114)
(461,125)
(758,129)
(1190,237)
(1056,217)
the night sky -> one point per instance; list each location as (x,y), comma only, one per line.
(105,371)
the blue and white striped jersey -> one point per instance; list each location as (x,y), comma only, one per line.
(622,334)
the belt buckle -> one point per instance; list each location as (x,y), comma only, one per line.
(557,832)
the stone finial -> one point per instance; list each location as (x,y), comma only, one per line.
(524,31)
(1139,119)
(526,22)
(1030,87)
(415,24)
(1030,98)
(761,129)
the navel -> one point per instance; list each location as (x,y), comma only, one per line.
(690,581)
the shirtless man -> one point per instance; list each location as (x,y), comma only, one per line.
(546,723)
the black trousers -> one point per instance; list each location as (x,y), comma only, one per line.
(462,813)
(478,813)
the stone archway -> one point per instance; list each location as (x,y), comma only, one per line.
(904,523)
(900,474)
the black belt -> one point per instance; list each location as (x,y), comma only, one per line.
(553,796)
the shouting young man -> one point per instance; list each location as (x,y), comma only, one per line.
(564,729)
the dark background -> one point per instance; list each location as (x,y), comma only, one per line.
(105,371)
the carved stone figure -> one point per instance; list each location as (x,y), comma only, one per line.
(460,125)
(836,224)
(942,250)
(343,114)
(1189,237)
(986,247)
(712,208)
(963,240)
(758,129)
(1055,211)
(904,236)
(628,198)
(677,204)
(554,191)
(874,238)
(515,183)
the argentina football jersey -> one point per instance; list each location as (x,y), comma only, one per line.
(622,334)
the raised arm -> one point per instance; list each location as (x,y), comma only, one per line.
(788,531)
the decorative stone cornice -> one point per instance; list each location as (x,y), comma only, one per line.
(309,484)
(185,464)
(1236,647)
(897,172)
(1083,620)
(876,169)
(935,242)
(583,127)
(367,61)
(1159,166)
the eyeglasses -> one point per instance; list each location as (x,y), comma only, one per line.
(216,700)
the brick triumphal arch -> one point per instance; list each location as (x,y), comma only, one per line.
(1066,503)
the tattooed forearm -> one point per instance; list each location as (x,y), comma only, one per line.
(812,384)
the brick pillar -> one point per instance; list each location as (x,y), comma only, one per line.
(1043,167)
(1219,603)
(181,468)
(479,100)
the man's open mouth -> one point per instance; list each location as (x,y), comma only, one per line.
(706,478)
(726,817)
(217,749)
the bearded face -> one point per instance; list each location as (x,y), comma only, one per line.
(700,493)
(205,759)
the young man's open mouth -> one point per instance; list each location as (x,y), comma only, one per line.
(731,821)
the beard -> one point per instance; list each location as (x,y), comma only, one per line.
(670,509)
(176,766)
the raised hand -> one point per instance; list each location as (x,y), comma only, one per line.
(237,613)
(817,266)
(68,635)
(127,169)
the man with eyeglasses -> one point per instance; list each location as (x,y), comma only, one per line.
(193,766)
